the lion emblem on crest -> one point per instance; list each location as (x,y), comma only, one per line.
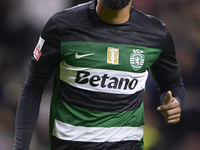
(137,59)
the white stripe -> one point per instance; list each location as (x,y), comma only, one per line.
(68,74)
(96,134)
(40,43)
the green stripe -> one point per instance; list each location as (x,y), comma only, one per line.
(81,117)
(141,143)
(99,59)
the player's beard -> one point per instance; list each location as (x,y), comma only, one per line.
(116,4)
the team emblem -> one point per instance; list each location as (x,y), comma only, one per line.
(137,59)
(113,56)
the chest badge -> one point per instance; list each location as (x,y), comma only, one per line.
(137,59)
(113,56)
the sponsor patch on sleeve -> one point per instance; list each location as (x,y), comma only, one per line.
(37,52)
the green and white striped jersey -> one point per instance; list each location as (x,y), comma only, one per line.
(101,71)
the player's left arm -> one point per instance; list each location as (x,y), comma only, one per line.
(170,108)
(168,76)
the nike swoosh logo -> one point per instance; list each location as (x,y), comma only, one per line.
(77,56)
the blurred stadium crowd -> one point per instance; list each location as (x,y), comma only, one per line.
(21,22)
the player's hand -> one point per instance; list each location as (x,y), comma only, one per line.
(170,109)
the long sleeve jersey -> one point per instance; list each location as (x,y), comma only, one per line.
(101,72)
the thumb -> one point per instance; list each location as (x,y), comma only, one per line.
(167,98)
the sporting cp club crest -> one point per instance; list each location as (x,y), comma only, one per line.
(137,59)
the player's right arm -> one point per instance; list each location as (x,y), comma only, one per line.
(45,59)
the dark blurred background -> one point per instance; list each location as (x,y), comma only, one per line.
(21,22)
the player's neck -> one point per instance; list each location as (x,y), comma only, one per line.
(113,16)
